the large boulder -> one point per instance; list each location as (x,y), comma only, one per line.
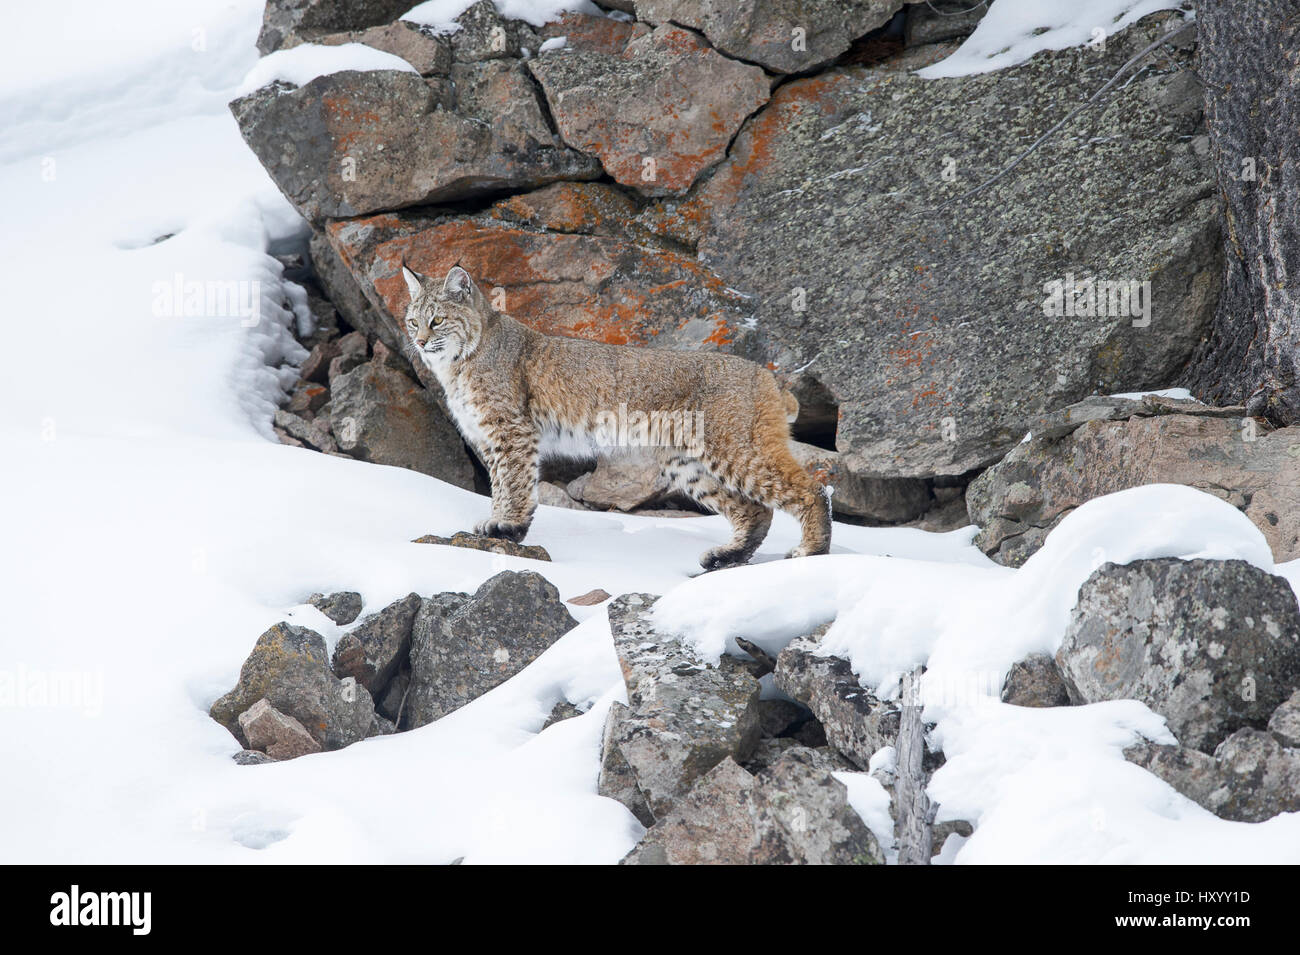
(1212,646)
(1115,444)
(463,646)
(856,722)
(580,274)
(786,36)
(792,813)
(290,668)
(351,143)
(381,415)
(287,23)
(684,715)
(928,325)
(657,113)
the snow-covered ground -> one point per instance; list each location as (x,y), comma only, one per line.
(151,530)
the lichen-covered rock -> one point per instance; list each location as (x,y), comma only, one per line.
(929,325)
(352,143)
(427,51)
(461,647)
(374,650)
(684,716)
(380,415)
(598,284)
(274,733)
(287,23)
(493,545)
(1035,681)
(1284,724)
(1112,447)
(786,36)
(857,723)
(1251,777)
(290,668)
(658,113)
(342,607)
(794,812)
(1212,646)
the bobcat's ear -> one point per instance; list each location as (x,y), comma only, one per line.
(414,281)
(459,285)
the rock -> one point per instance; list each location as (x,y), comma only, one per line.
(493,545)
(277,735)
(391,705)
(251,757)
(594,34)
(937,21)
(351,143)
(658,113)
(307,399)
(597,286)
(551,495)
(589,599)
(937,349)
(1250,778)
(287,23)
(314,434)
(684,716)
(373,651)
(418,45)
(1035,681)
(342,607)
(621,483)
(563,710)
(380,415)
(1284,724)
(483,34)
(878,500)
(1212,646)
(289,667)
(1019,500)
(766,33)
(856,723)
(461,650)
(781,717)
(793,812)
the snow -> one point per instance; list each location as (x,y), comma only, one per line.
(1179,394)
(303,63)
(1014,30)
(442,14)
(152,530)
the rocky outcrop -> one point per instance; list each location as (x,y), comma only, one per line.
(492,545)
(381,415)
(463,646)
(290,668)
(287,23)
(929,325)
(354,142)
(856,723)
(684,715)
(1105,445)
(1212,646)
(793,812)
(657,113)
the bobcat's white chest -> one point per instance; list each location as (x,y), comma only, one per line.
(463,412)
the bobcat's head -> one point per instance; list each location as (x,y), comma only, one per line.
(444,320)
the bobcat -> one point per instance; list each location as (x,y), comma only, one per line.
(518,395)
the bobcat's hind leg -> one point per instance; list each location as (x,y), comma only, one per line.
(513,466)
(749,519)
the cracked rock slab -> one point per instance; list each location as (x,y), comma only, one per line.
(684,716)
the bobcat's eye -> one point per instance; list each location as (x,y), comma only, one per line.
(410,323)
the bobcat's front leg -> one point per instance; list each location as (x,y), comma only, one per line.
(512,465)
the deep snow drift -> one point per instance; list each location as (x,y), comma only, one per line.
(152,530)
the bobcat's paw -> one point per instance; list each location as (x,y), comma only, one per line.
(720,557)
(802,551)
(501,529)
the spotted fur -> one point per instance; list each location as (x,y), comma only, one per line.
(517,395)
